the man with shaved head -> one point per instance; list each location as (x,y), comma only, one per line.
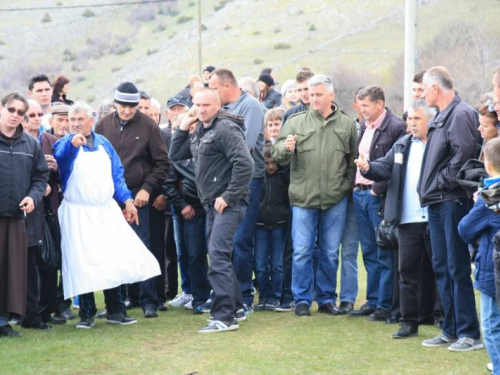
(223,170)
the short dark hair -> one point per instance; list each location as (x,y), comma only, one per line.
(357,92)
(225,76)
(419,77)
(491,152)
(484,111)
(266,150)
(59,83)
(38,78)
(373,93)
(303,75)
(144,95)
(7,99)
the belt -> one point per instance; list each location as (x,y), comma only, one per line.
(364,187)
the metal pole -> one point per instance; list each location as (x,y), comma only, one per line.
(411,51)
(200,66)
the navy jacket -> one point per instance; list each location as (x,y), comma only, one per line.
(481,224)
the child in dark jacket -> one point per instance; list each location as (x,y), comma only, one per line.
(480,225)
(270,238)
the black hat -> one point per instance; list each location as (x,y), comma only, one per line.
(267,79)
(127,94)
(209,69)
(177,100)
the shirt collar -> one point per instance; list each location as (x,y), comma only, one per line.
(375,124)
(233,105)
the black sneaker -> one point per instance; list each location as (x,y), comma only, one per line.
(120,319)
(52,319)
(150,312)
(393,319)
(271,305)
(85,323)
(302,310)
(7,331)
(379,315)
(286,307)
(240,316)
(103,314)
(40,326)
(405,331)
(163,307)
(67,314)
(261,306)
(346,307)
(364,310)
(330,309)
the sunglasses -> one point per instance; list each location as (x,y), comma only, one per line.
(33,115)
(13,110)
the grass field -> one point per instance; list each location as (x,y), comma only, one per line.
(268,343)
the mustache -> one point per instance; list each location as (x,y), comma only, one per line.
(77,127)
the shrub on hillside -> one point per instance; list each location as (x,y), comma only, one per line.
(46,18)
(88,13)
(184,19)
(258,61)
(282,46)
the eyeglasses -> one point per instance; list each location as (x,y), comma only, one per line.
(13,110)
(33,115)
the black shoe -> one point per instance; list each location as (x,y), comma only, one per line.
(39,326)
(346,307)
(7,331)
(162,307)
(150,312)
(66,314)
(364,310)
(120,319)
(393,319)
(129,304)
(302,310)
(53,319)
(329,308)
(379,315)
(85,323)
(102,314)
(405,331)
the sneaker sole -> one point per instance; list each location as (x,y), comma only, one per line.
(280,309)
(230,328)
(436,345)
(242,319)
(475,347)
(120,323)
(84,327)
(404,337)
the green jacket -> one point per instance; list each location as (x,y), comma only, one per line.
(322,163)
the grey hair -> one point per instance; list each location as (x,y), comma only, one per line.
(105,108)
(430,112)
(439,76)
(249,85)
(79,107)
(321,79)
(32,102)
(155,103)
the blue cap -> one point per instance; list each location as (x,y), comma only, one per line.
(177,100)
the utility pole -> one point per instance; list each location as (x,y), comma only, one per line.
(411,48)
(200,66)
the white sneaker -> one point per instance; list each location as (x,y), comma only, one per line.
(189,305)
(489,366)
(180,300)
(465,344)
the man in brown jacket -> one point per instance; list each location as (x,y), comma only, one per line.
(137,140)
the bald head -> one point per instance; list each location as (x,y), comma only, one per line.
(208,103)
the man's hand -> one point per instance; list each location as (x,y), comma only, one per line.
(51,162)
(220,205)
(48,190)
(290,143)
(141,198)
(78,140)
(187,121)
(362,163)
(131,213)
(188,213)
(27,205)
(160,203)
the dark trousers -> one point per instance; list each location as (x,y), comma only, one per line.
(171,281)
(451,262)
(396,299)
(145,291)
(112,299)
(32,317)
(286,294)
(48,293)
(414,250)
(157,229)
(221,231)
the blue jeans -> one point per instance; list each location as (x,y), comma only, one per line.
(244,242)
(329,225)
(378,263)
(451,262)
(148,296)
(490,323)
(182,252)
(269,250)
(349,257)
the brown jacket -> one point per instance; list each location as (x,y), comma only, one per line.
(141,149)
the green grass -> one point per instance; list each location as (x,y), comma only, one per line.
(268,343)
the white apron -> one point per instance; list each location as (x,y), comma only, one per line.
(99,248)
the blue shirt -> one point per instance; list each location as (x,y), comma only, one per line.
(412,211)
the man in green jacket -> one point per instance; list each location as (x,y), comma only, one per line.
(320,145)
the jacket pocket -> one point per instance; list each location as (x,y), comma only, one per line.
(207,147)
(343,143)
(306,141)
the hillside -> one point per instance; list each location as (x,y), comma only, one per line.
(155,45)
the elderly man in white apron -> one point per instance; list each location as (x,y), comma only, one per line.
(100,251)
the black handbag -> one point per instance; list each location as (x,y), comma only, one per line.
(387,236)
(49,254)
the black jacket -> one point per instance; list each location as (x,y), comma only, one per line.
(274,202)
(451,142)
(223,164)
(301,107)
(391,129)
(384,169)
(180,187)
(23,172)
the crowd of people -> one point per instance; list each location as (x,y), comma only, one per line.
(243,180)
